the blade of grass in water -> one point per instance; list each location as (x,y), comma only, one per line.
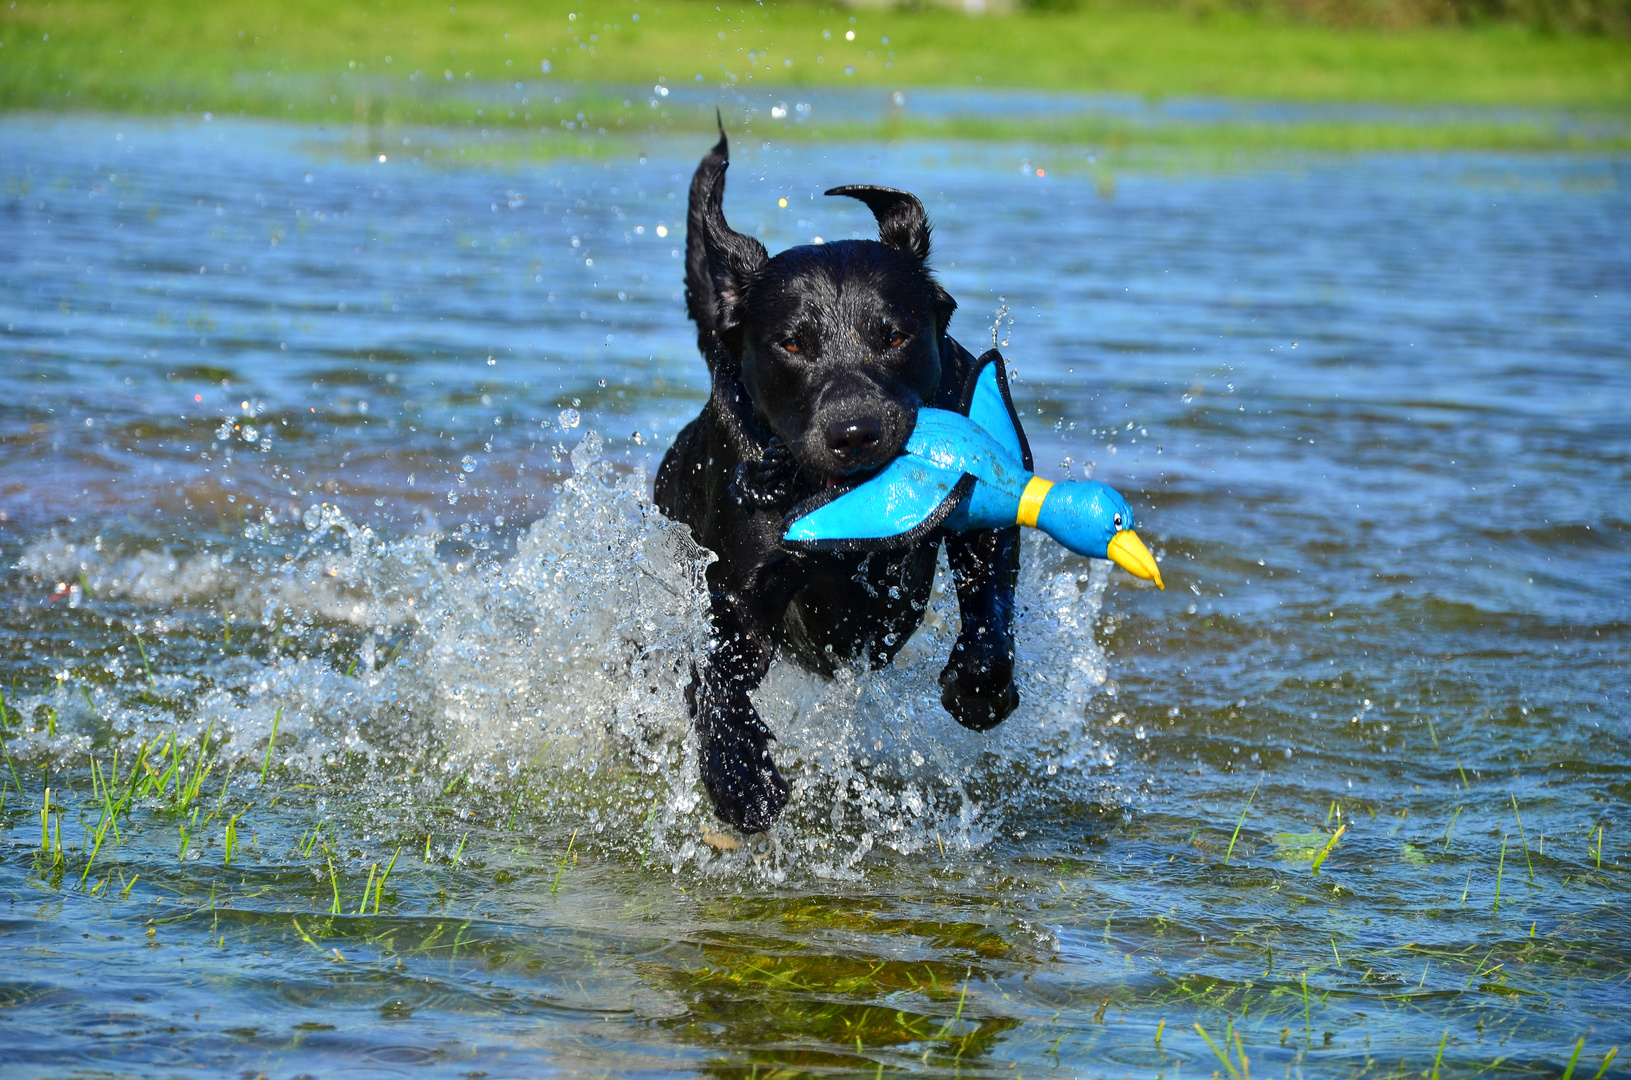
(7,750)
(334,883)
(561,869)
(1240,1052)
(231,841)
(1227,1064)
(1308,1023)
(1330,845)
(1242,821)
(101,831)
(362,905)
(380,887)
(1500,868)
(1523,837)
(1568,1072)
(1453,818)
(270,743)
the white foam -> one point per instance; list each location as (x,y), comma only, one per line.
(559,671)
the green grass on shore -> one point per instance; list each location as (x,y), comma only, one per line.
(393,63)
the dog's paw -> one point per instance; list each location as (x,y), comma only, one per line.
(748,791)
(766,484)
(977,684)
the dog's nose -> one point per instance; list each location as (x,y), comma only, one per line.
(848,438)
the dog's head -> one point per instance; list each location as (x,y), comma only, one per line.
(838,344)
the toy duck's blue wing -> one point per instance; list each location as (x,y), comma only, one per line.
(988,403)
(906,501)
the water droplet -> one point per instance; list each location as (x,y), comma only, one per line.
(588,451)
(569,418)
(468,464)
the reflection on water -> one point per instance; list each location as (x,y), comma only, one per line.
(340,464)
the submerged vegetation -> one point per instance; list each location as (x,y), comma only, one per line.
(946,976)
(1227,932)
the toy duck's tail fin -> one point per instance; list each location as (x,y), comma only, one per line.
(986,401)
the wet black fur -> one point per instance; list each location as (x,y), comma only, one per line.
(846,337)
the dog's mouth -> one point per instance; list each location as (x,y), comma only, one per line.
(849,481)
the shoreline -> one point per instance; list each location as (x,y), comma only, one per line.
(440,64)
(533,120)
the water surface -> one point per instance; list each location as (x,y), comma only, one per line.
(357,451)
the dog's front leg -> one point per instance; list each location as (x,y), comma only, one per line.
(747,790)
(977,685)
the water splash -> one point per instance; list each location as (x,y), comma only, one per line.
(555,673)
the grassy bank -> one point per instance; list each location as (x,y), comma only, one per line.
(417,61)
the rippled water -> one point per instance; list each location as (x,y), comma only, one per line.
(297,440)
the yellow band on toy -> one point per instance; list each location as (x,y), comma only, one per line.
(1031,499)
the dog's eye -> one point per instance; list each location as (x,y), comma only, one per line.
(897,338)
(791,345)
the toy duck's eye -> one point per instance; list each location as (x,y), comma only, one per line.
(1118,522)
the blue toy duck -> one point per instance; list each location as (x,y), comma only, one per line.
(962,472)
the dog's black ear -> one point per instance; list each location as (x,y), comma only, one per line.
(902,222)
(699,287)
(904,225)
(733,259)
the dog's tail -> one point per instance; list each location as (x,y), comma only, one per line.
(699,288)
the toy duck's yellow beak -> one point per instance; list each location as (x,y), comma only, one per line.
(1127,551)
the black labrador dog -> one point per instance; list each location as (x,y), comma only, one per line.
(820,359)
